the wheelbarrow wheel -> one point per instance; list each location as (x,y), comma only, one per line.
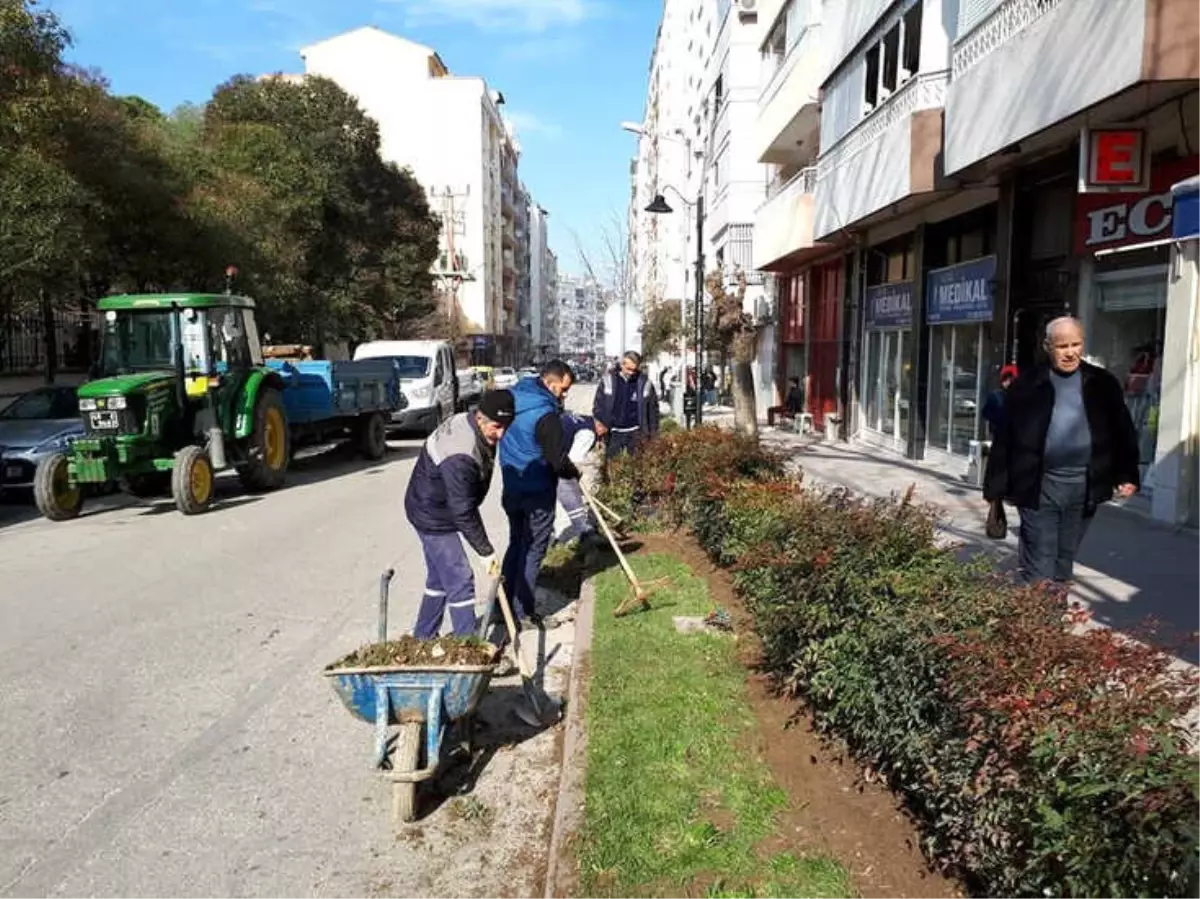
(405,759)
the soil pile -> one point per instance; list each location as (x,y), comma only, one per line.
(411,651)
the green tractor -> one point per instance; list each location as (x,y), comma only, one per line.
(182,393)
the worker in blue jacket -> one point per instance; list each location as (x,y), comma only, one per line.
(533,457)
(448,485)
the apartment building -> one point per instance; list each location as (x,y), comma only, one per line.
(580,318)
(696,149)
(948,176)
(543,287)
(450,131)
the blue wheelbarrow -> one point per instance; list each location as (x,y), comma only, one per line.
(421,700)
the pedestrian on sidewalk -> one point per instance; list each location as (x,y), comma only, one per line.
(626,407)
(993,406)
(448,485)
(579,433)
(709,384)
(1066,443)
(792,406)
(533,459)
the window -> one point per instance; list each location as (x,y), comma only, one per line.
(719,93)
(893,59)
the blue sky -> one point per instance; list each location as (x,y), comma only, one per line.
(570,71)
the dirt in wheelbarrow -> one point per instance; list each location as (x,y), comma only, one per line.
(411,651)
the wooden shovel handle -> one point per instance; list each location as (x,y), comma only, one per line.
(506,611)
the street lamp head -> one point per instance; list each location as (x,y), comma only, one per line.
(632,127)
(659,206)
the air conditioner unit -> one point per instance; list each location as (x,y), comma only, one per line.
(745,8)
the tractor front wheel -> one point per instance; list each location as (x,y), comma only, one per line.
(192,481)
(270,444)
(56,497)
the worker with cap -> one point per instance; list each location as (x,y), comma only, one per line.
(448,485)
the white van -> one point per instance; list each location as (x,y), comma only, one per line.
(427,379)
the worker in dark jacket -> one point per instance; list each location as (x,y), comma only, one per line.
(1065,444)
(448,485)
(579,434)
(533,456)
(626,407)
(993,407)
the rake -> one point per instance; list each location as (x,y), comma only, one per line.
(641,592)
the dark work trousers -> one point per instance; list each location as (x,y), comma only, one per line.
(1050,534)
(622,443)
(449,583)
(570,497)
(530,529)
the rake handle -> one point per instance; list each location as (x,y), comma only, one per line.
(612,541)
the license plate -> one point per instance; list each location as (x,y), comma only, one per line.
(13,472)
(104,419)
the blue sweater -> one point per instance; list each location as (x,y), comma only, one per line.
(523,463)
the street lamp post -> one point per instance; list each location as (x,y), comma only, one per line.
(659,206)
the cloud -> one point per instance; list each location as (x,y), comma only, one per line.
(536,16)
(529,124)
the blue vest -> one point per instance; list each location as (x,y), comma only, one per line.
(522,464)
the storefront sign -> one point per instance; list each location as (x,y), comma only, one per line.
(1186,209)
(481,341)
(1108,221)
(1112,159)
(890,306)
(961,293)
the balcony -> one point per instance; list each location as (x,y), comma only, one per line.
(1003,59)
(788,115)
(783,225)
(510,264)
(891,154)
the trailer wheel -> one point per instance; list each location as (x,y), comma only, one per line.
(407,754)
(56,497)
(372,436)
(270,447)
(192,481)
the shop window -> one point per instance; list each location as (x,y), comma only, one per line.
(955,389)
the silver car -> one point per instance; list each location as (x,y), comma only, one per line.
(34,425)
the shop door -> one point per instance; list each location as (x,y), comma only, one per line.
(825,344)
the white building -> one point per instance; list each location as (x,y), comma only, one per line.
(697,137)
(449,130)
(580,318)
(543,286)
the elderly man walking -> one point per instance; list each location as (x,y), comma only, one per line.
(448,485)
(626,407)
(1065,444)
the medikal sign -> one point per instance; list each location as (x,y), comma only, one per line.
(890,305)
(961,293)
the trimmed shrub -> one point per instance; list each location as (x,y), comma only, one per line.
(1038,760)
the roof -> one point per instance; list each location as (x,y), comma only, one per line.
(167,300)
(373,31)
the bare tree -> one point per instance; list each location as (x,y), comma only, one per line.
(737,330)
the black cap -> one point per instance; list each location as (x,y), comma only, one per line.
(498,405)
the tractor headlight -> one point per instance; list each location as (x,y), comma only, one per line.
(86,405)
(116,402)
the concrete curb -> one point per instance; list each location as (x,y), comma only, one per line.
(568,804)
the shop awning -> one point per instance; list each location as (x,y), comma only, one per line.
(1186,209)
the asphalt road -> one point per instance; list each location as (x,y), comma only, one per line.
(165,728)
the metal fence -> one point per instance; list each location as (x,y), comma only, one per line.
(25,343)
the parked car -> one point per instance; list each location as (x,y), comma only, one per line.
(34,425)
(525,373)
(427,378)
(504,377)
(470,388)
(487,376)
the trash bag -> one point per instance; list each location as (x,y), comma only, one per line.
(997,521)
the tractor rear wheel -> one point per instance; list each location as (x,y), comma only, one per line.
(270,444)
(372,436)
(56,497)
(192,481)
(144,486)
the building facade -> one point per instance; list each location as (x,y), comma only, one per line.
(543,287)
(950,175)
(580,319)
(450,131)
(696,148)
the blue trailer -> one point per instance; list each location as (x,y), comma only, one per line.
(326,400)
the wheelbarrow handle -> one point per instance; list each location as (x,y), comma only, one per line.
(385,582)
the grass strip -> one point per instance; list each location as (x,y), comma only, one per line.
(676,803)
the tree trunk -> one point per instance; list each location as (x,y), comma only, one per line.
(745,410)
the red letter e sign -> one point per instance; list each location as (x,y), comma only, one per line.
(1113,159)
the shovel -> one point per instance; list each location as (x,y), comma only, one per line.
(641,592)
(543,710)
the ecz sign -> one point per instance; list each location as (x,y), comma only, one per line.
(1107,221)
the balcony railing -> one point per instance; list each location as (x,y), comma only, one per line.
(981,35)
(924,91)
(804,181)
